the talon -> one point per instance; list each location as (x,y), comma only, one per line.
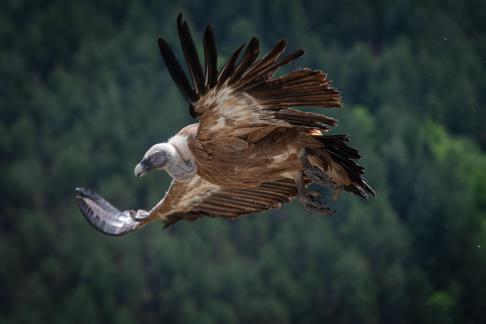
(313,193)
(302,154)
(322,211)
(310,199)
(315,174)
(319,177)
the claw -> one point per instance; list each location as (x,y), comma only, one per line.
(313,193)
(319,177)
(325,211)
(312,203)
(315,174)
(311,199)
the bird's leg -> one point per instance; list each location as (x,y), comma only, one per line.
(139,215)
(315,174)
(311,198)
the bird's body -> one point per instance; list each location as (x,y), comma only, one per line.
(247,162)
(250,151)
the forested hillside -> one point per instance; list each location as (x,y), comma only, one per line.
(84,93)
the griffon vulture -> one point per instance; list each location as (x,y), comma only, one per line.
(250,150)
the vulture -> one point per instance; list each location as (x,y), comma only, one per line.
(250,149)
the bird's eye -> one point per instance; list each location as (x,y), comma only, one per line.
(155,156)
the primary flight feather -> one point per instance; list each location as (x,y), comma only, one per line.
(250,150)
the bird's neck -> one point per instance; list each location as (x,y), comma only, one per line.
(181,165)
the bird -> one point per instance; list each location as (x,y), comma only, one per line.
(251,149)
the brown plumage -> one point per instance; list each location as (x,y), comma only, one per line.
(251,150)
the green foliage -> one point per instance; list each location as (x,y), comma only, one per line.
(83,93)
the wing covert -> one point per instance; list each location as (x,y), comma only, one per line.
(233,203)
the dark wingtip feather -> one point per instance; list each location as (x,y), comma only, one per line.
(260,69)
(280,46)
(229,66)
(211,57)
(291,57)
(176,72)
(249,57)
(191,55)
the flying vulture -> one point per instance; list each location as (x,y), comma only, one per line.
(250,150)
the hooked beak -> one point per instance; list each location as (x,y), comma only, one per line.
(139,170)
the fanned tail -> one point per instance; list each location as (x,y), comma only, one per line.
(346,156)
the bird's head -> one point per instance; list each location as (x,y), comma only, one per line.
(156,158)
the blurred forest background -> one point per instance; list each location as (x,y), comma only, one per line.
(84,92)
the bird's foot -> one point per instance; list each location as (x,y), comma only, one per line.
(319,177)
(315,174)
(139,215)
(311,199)
(312,202)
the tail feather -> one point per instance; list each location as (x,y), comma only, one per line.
(346,157)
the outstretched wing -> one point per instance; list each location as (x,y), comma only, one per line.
(188,201)
(244,94)
(104,216)
(202,198)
